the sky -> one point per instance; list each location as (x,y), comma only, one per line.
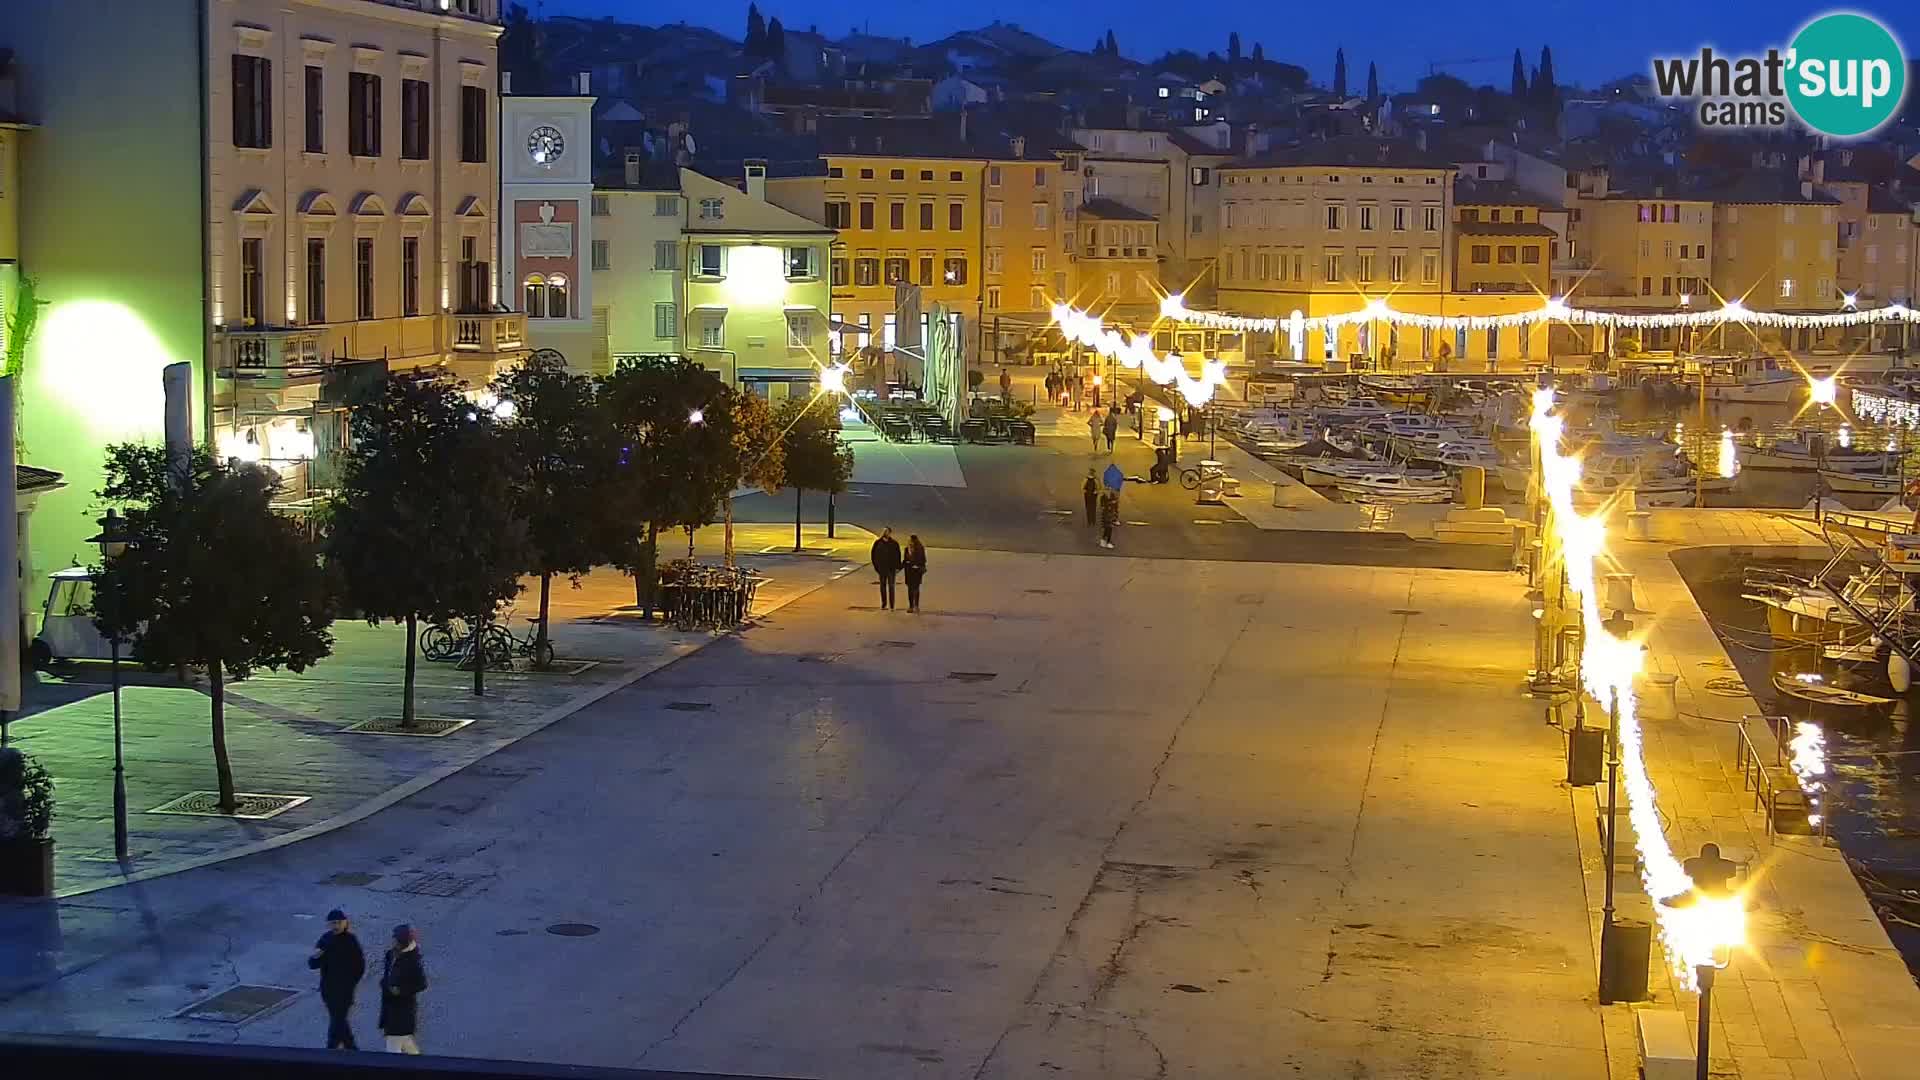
(1592,43)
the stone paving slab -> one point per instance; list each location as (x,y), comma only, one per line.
(1819,991)
(286,733)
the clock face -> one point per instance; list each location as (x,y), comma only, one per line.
(544,145)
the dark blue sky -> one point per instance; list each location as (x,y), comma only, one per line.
(1591,42)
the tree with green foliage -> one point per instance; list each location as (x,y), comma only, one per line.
(211,577)
(816,459)
(756,43)
(522,54)
(1233,47)
(425,525)
(759,451)
(551,429)
(673,458)
(1544,90)
(1373,81)
(19,322)
(1339,73)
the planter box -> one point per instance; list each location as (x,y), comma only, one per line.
(26,867)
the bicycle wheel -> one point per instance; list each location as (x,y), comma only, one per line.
(542,653)
(498,645)
(1189,478)
(438,643)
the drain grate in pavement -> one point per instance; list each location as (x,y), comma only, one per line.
(238,1004)
(1402,611)
(524,666)
(689,706)
(573,929)
(1040,592)
(819,658)
(973,676)
(424,727)
(252,806)
(787,549)
(351,878)
(898,644)
(440,883)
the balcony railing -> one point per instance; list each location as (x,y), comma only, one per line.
(478,10)
(272,355)
(490,333)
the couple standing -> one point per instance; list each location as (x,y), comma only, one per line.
(888,561)
(341,964)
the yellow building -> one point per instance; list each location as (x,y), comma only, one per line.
(757,293)
(914,219)
(1775,249)
(1032,193)
(1115,267)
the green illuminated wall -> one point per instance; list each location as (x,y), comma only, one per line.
(110,229)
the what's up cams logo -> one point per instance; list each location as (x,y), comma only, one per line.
(1844,75)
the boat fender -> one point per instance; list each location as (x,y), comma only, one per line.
(1899,672)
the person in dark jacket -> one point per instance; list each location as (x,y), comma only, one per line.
(1109,517)
(1111,427)
(401,981)
(338,959)
(886,562)
(1091,492)
(915,568)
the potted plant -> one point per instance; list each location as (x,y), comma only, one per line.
(26,819)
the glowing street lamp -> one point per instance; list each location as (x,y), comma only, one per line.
(833,379)
(697,416)
(113,540)
(1823,392)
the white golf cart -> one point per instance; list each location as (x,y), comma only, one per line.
(66,625)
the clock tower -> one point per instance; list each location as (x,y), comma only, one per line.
(546,223)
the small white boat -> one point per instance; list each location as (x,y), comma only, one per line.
(1863,483)
(1395,487)
(1397,390)
(1332,472)
(1753,379)
(1797,453)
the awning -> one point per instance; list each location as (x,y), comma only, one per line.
(780,374)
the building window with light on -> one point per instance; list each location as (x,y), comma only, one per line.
(840,274)
(546,296)
(1786,287)
(896,270)
(712,209)
(866,270)
(253,290)
(800,263)
(955,270)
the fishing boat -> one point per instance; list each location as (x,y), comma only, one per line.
(1394,487)
(1397,391)
(1810,688)
(1332,472)
(1863,483)
(1651,470)
(1802,613)
(1802,452)
(1751,379)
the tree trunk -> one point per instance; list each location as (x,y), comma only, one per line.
(222,767)
(796,517)
(540,639)
(649,578)
(406,682)
(728,543)
(480,656)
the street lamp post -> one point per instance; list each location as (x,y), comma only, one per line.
(1704,974)
(113,544)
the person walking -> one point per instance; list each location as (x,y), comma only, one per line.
(885,557)
(1053,385)
(1091,491)
(402,979)
(1093,430)
(1006,385)
(914,568)
(1111,427)
(1109,517)
(341,964)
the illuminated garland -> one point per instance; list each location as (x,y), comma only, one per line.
(1689,933)
(1885,409)
(1137,352)
(1555,310)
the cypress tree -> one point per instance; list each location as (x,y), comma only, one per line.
(1373,81)
(1519,90)
(1339,73)
(1233,47)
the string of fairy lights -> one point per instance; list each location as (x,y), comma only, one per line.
(1690,933)
(1554,309)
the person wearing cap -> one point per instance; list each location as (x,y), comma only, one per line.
(338,959)
(401,981)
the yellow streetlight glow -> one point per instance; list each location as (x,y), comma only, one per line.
(833,379)
(1822,391)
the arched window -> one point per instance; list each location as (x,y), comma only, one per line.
(536,297)
(557,297)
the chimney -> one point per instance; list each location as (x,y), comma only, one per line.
(1019,146)
(756,172)
(633,168)
(1806,189)
(963,127)
(1819,170)
(506,82)
(586,83)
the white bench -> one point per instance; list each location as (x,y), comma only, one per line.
(1666,1050)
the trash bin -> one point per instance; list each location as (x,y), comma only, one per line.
(1616,592)
(1586,755)
(1658,697)
(1625,948)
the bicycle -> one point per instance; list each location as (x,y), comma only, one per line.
(699,597)
(1195,475)
(443,640)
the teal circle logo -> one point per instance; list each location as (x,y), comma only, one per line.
(1846,75)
